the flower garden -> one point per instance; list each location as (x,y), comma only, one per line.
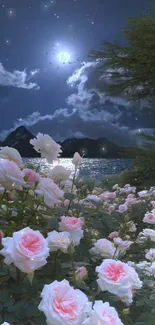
(71,256)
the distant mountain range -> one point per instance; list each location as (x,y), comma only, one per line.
(90,148)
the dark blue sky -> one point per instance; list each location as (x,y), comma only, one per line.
(42,93)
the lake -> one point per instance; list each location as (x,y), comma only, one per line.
(90,168)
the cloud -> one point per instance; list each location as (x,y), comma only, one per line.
(18,79)
(63,124)
(86,82)
(91,113)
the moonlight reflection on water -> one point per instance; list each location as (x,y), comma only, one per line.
(89,169)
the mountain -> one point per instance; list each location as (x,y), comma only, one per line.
(90,148)
(20,140)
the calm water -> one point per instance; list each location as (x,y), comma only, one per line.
(90,168)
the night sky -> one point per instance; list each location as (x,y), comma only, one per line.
(47,80)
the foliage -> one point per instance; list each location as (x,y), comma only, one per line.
(130,68)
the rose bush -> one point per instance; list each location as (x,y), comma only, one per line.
(72,253)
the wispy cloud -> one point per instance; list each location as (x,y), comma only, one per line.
(33,119)
(86,82)
(18,79)
(63,124)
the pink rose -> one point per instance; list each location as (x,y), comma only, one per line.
(27,250)
(118,278)
(122,208)
(64,305)
(113,234)
(153,203)
(81,274)
(11,177)
(103,314)
(73,226)
(150,217)
(66,202)
(1,235)
(30,177)
(107,195)
(131,201)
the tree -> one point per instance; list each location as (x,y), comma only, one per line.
(130,69)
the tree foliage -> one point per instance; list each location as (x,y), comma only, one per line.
(130,69)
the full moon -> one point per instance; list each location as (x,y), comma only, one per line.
(64,57)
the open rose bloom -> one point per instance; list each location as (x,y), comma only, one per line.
(64,305)
(27,250)
(58,241)
(73,226)
(10,175)
(45,145)
(118,278)
(103,314)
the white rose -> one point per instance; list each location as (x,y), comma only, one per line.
(67,186)
(59,173)
(27,250)
(150,255)
(122,245)
(103,248)
(148,233)
(64,305)
(143,193)
(50,191)
(10,175)
(103,314)
(11,154)
(58,241)
(45,145)
(132,226)
(94,198)
(77,159)
(118,278)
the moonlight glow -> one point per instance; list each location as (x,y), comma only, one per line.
(64,57)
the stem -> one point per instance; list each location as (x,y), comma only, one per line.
(73,267)
(55,263)
(72,188)
(33,214)
(115,253)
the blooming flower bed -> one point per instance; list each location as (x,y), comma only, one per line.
(69,256)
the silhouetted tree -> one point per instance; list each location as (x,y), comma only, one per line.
(130,69)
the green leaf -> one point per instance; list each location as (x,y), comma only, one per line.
(17,306)
(69,196)
(13,272)
(1,307)
(40,320)
(9,302)
(3,271)
(31,310)
(4,296)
